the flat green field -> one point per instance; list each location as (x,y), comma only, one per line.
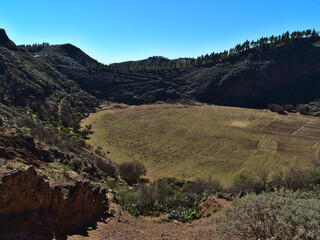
(188,141)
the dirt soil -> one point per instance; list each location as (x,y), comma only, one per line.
(123,226)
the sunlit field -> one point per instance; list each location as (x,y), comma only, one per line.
(186,141)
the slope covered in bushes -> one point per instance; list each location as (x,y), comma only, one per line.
(282,69)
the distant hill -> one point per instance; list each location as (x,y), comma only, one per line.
(33,83)
(151,60)
(5,41)
(155,61)
(286,72)
(68,55)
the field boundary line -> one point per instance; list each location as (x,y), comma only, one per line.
(260,116)
(303,126)
(275,117)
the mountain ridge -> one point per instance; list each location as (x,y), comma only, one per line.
(249,78)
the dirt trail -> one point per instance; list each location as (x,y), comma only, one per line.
(59,107)
(123,226)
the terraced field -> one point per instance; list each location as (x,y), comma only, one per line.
(203,141)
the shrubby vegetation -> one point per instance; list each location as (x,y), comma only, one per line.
(276,108)
(280,215)
(132,171)
(70,150)
(293,178)
(179,199)
(312,108)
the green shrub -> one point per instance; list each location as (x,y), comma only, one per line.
(303,109)
(76,165)
(201,187)
(106,167)
(276,216)
(113,184)
(244,184)
(289,108)
(293,179)
(160,197)
(132,171)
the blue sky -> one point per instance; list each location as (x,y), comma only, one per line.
(120,30)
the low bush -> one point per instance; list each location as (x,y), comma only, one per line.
(86,131)
(160,197)
(289,108)
(106,167)
(244,184)
(201,187)
(294,179)
(276,216)
(303,109)
(76,165)
(132,171)
(276,108)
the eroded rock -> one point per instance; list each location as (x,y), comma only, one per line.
(31,209)
(21,147)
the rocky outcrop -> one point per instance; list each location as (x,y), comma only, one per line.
(31,209)
(21,147)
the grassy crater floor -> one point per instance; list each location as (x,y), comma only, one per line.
(191,141)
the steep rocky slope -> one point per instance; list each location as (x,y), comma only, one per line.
(32,209)
(22,148)
(29,207)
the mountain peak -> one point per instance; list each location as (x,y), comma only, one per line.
(5,41)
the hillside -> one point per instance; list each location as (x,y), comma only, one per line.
(204,141)
(284,73)
(157,61)
(60,85)
(68,55)
(287,73)
(26,78)
(47,90)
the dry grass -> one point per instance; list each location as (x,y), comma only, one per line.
(202,141)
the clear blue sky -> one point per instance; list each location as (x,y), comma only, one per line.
(120,30)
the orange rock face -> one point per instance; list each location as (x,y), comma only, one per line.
(31,209)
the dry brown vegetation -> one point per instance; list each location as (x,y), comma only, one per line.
(187,141)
